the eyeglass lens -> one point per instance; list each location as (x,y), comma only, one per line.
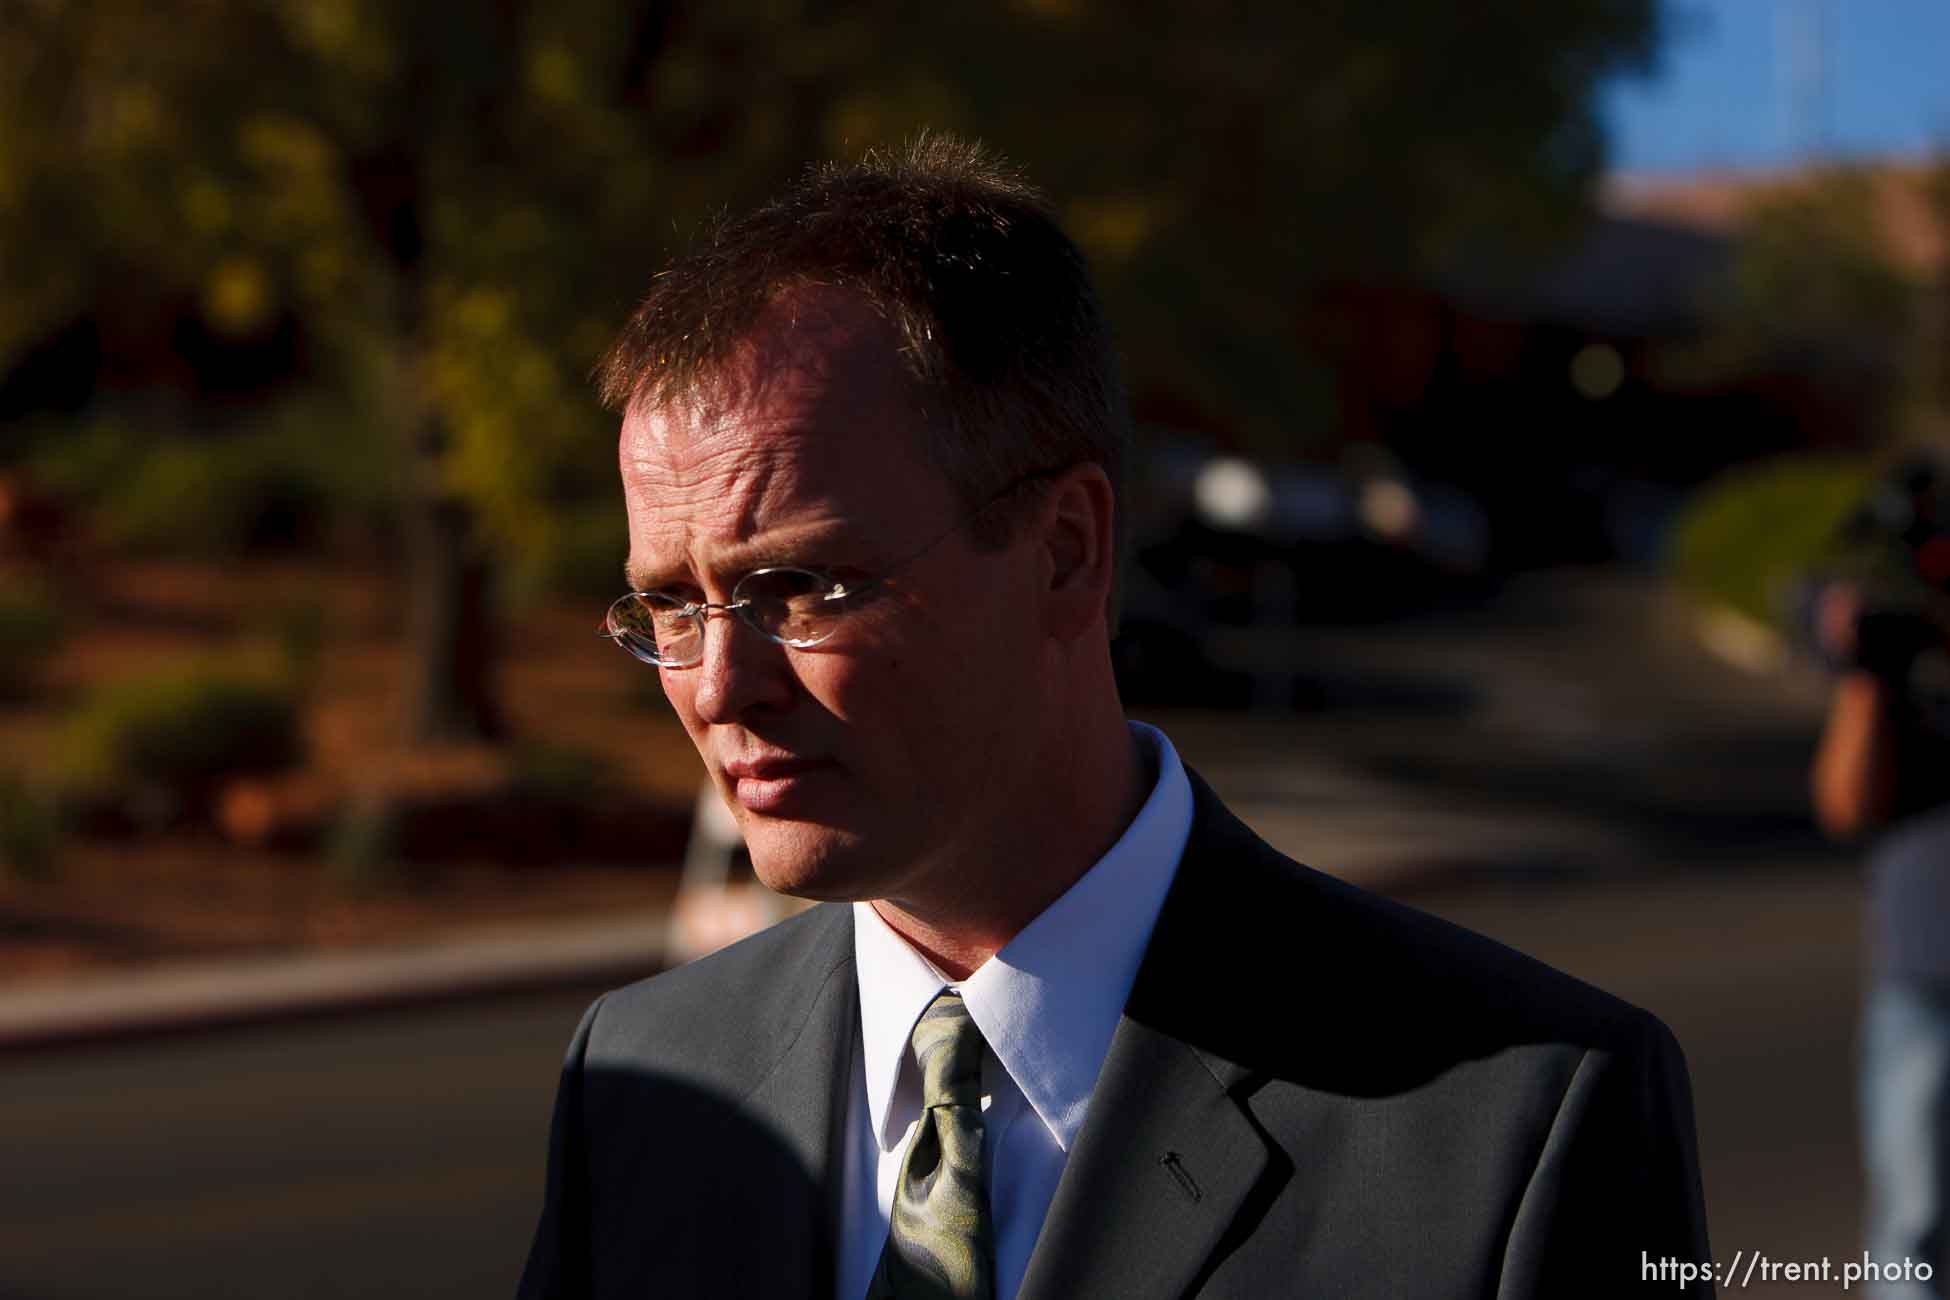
(794,606)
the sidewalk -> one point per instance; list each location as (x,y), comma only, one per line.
(215,993)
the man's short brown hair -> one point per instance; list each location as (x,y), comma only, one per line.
(999,325)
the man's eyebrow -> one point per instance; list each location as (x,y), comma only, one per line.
(820,546)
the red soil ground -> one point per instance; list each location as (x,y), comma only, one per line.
(204,891)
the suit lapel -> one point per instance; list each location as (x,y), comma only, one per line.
(1167,1156)
(802,1100)
(1161,1167)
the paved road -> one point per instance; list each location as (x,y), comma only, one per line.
(389,1155)
(1573,776)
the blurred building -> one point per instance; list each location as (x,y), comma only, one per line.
(1567,399)
(1715,201)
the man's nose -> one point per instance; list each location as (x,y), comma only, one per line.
(742,670)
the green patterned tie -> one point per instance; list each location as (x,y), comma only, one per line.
(940,1242)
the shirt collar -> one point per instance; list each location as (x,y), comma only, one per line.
(1049,1001)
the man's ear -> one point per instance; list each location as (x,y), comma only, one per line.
(1077,521)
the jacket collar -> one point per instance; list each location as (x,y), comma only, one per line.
(1048,1003)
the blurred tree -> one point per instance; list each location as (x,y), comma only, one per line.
(1222,162)
(456,202)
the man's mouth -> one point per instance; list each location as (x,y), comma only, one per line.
(778,785)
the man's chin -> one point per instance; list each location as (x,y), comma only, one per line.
(811,862)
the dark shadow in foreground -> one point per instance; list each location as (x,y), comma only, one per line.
(727,1208)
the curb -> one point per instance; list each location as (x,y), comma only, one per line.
(216,994)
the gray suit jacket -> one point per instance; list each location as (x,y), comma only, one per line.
(1312,1092)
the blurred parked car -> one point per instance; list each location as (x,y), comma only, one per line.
(1224,544)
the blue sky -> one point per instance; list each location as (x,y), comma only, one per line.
(1741,84)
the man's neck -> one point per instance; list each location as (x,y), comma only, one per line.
(959,935)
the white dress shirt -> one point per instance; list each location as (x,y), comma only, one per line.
(1047,1005)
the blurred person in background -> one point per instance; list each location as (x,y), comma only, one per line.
(1062,1025)
(1883,766)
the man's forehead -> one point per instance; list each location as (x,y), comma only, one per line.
(810,432)
(817,360)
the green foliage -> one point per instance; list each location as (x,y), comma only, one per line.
(159,746)
(298,631)
(285,477)
(453,205)
(363,849)
(458,202)
(582,556)
(209,499)
(30,629)
(1753,530)
(558,775)
(1219,166)
(30,833)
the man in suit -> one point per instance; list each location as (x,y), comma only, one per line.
(1062,1026)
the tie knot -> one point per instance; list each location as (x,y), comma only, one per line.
(949,1048)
